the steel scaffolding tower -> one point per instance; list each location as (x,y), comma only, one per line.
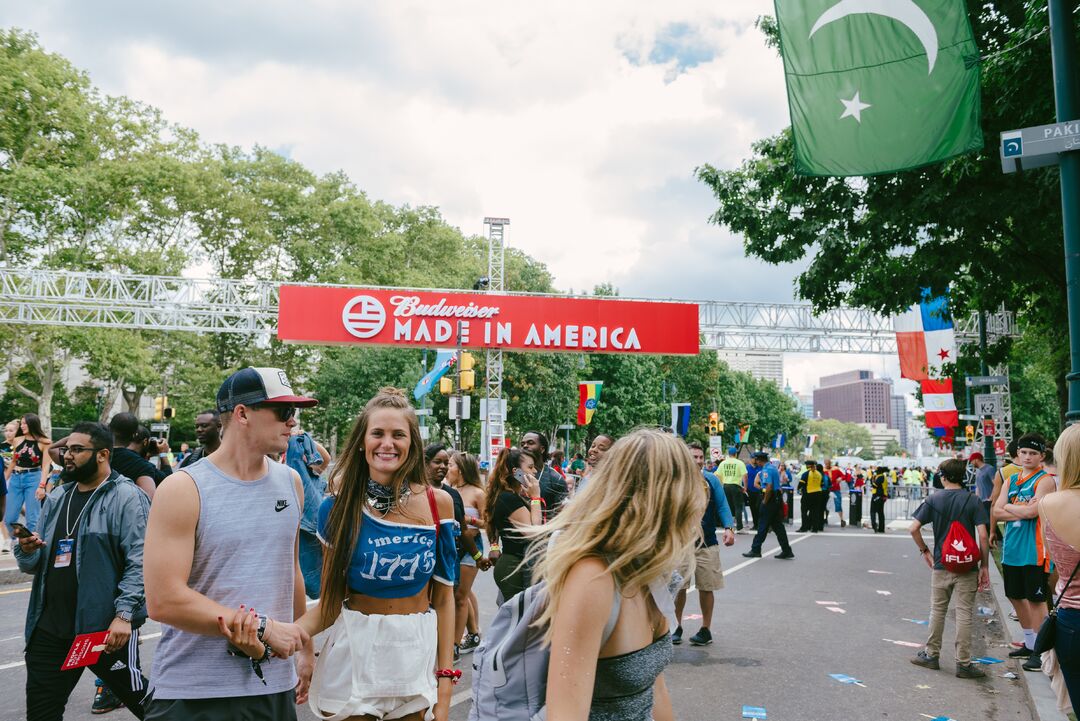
(495,421)
(113,300)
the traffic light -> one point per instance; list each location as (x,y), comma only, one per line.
(969,433)
(720,427)
(714,423)
(466,374)
(446,385)
(168,412)
(159,407)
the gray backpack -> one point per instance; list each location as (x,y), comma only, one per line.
(510,665)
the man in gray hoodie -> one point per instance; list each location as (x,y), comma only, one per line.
(86,557)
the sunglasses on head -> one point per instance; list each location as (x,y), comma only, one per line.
(283,411)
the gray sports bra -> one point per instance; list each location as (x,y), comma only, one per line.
(624,684)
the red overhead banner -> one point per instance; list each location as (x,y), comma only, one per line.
(420,318)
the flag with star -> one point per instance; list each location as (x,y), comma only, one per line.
(925,339)
(879,86)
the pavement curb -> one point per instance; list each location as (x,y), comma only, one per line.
(1036,683)
(12,576)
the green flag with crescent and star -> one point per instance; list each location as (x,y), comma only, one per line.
(879,86)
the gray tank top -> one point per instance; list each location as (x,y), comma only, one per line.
(244,554)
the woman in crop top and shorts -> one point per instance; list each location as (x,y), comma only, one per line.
(388,577)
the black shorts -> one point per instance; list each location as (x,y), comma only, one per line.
(1025,583)
(274,706)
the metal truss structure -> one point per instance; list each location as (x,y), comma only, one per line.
(494,425)
(111,300)
(794,328)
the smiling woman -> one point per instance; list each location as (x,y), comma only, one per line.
(388,576)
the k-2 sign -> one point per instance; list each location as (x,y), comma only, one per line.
(988,404)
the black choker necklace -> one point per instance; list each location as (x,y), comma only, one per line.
(381,498)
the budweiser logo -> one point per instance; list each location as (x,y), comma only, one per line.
(406,306)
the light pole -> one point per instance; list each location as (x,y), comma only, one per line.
(1067,100)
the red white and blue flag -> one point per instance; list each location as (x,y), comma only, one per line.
(938,402)
(924,338)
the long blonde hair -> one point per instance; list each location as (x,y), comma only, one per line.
(349,484)
(641,512)
(1067,457)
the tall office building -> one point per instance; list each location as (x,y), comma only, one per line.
(898,414)
(854,397)
(760,364)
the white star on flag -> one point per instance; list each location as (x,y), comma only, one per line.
(854,107)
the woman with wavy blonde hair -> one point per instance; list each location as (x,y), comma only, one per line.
(612,551)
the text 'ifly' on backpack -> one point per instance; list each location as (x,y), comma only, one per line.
(510,666)
(959,551)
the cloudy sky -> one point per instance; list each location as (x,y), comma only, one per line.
(581,122)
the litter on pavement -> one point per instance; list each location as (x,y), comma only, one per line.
(909,644)
(881,573)
(913,620)
(843,678)
(753,712)
(1009,674)
(987,660)
(884,593)
(836,609)
(827,603)
(986,611)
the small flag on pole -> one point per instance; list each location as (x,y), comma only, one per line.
(742,434)
(810,439)
(589,393)
(779,441)
(680,419)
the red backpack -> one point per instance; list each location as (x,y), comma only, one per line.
(959,551)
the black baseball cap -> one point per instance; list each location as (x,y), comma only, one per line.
(259,385)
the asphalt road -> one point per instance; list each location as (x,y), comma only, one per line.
(775,643)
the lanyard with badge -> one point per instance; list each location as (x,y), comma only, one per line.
(65,545)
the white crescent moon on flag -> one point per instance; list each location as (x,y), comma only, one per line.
(904,11)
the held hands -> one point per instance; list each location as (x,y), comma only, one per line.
(242,631)
(119,634)
(484,564)
(285,639)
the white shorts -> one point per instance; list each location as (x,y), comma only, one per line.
(381,666)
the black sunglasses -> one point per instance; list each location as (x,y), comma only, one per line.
(283,411)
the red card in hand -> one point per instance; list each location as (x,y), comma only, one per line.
(85,650)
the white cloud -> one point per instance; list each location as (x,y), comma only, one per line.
(534,112)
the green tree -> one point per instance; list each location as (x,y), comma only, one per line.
(836,438)
(876,242)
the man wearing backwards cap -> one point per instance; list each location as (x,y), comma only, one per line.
(1023,557)
(221,567)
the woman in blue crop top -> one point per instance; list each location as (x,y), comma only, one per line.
(387,593)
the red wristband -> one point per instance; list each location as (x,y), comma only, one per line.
(454,674)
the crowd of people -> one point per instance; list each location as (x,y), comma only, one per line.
(256,545)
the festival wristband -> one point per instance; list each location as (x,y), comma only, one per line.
(454,674)
(478,555)
(496,548)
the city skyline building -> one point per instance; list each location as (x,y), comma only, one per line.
(854,397)
(763,365)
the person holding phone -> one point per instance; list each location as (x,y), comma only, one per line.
(88,577)
(512,502)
